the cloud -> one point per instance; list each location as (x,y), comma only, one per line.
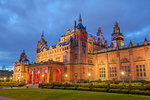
(22,22)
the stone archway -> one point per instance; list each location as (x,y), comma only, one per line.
(30,77)
(45,75)
(37,76)
(57,75)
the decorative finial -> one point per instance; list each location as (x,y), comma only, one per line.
(80,20)
(145,41)
(116,23)
(130,44)
(99,29)
(42,36)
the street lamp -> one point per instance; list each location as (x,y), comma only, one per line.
(5,79)
(122,73)
(10,78)
(89,74)
(43,78)
(66,75)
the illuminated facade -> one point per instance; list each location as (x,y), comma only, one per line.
(79,53)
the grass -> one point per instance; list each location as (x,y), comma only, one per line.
(54,94)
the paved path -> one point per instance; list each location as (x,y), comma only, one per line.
(6,98)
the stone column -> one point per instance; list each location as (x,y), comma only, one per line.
(51,74)
(118,65)
(48,74)
(132,67)
(33,76)
(40,75)
(147,63)
(27,76)
(107,67)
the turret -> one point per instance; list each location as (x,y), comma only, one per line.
(117,37)
(41,43)
(23,57)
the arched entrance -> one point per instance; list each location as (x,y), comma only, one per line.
(30,77)
(45,75)
(57,75)
(37,76)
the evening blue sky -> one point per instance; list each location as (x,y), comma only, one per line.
(23,21)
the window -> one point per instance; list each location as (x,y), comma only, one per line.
(141,74)
(65,58)
(138,74)
(141,71)
(128,67)
(144,74)
(102,72)
(113,71)
(127,70)
(140,66)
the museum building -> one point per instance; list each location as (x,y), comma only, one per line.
(80,55)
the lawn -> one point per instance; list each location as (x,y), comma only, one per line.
(54,94)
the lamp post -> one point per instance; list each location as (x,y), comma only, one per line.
(43,78)
(5,79)
(66,75)
(22,78)
(122,73)
(10,79)
(89,74)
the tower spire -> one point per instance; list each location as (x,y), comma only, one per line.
(42,36)
(80,19)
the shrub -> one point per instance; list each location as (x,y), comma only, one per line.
(76,86)
(99,80)
(129,88)
(147,87)
(86,81)
(113,81)
(140,92)
(91,86)
(118,91)
(108,86)
(53,85)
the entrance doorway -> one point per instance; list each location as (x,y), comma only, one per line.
(37,76)
(57,75)
(30,77)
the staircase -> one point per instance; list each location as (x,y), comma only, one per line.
(31,86)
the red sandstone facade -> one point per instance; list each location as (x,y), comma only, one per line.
(78,53)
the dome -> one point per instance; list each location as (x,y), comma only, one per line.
(80,25)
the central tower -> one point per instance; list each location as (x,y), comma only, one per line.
(80,36)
